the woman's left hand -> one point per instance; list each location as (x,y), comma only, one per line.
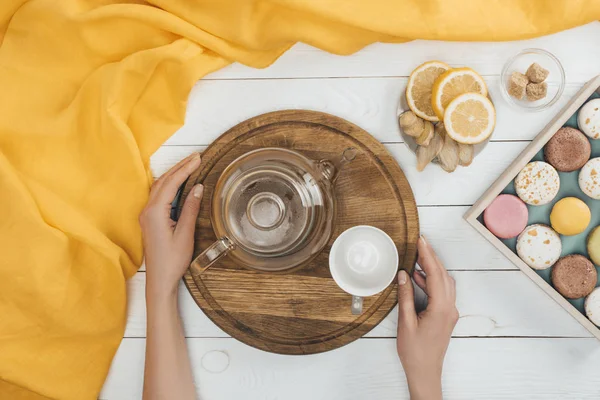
(169,245)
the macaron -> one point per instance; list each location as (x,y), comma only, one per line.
(574,276)
(592,306)
(539,246)
(593,245)
(588,118)
(570,216)
(568,150)
(589,178)
(506,216)
(538,183)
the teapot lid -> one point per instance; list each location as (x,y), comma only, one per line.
(269,203)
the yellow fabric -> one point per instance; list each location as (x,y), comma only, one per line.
(89,89)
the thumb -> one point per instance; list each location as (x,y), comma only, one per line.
(406,300)
(189,213)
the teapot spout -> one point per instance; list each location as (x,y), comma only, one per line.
(331,169)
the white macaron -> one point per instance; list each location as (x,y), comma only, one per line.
(539,246)
(588,119)
(538,183)
(589,178)
(592,306)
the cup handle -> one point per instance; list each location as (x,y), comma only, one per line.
(357,305)
(211,255)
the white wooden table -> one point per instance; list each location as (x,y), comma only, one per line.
(512,341)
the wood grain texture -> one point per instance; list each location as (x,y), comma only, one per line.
(431,187)
(578,49)
(490,303)
(364,88)
(511,172)
(452,237)
(369,369)
(368,102)
(303,311)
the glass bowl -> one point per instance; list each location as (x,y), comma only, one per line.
(520,63)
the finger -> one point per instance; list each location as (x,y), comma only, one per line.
(451,287)
(420,280)
(437,278)
(174,168)
(446,278)
(160,181)
(443,270)
(189,213)
(428,262)
(168,190)
(407,316)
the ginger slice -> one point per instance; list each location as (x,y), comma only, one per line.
(466,152)
(411,124)
(425,154)
(425,138)
(448,155)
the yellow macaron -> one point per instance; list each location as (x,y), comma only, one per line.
(570,216)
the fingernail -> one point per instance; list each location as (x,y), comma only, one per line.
(423,239)
(402,277)
(198,190)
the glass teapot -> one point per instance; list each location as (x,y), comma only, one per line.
(273,209)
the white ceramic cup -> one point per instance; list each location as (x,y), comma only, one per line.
(363,261)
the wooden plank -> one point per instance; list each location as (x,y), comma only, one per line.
(371,103)
(571,47)
(508,175)
(457,244)
(432,187)
(533,148)
(520,368)
(453,237)
(300,310)
(491,304)
(444,226)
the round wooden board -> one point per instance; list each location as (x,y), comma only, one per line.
(304,311)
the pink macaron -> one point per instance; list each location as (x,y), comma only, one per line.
(506,217)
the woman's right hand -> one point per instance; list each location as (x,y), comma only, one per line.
(423,338)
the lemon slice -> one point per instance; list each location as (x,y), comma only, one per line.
(453,83)
(418,90)
(470,118)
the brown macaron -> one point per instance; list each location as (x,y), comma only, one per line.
(568,150)
(574,276)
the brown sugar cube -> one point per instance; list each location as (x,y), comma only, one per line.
(536,73)
(517,84)
(536,91)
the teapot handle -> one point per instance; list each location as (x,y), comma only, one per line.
(331,170)
(211,255)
